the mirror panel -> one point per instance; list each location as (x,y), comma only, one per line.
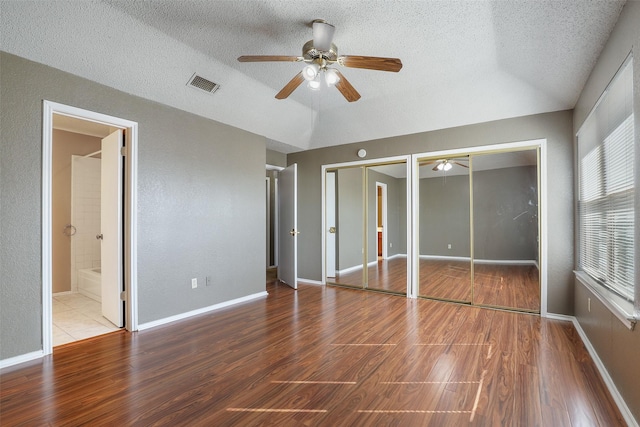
(505,230)
(444,229)
(347,248)
(387,228)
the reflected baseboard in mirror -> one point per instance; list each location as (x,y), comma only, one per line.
(387,275)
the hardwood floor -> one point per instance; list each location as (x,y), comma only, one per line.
(320,356)
(508,286)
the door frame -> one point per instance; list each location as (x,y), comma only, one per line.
(268,188)
(275,212)
(540,144)
(130,166)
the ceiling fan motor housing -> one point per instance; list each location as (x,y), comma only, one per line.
(310,53)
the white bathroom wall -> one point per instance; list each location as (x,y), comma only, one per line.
(85,215)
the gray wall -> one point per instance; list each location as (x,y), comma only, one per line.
(444,216)
(200,206)
(499,196)
(276,159)
(617,347)
(555,127)
(505,224)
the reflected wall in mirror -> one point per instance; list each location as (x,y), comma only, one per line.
(444,229)
(387,228)
(349,227)
(505,227)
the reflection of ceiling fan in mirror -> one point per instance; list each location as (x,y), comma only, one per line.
(447,164)
(320,54)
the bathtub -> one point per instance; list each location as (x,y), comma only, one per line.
(90,283)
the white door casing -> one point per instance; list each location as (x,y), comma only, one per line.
(50,108)
(288,226)
(110,227)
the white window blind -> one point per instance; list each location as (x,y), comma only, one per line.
(606,188)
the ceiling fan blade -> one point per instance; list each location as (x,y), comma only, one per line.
(291,86)
(435,168)
(346,89)
(269,58)
(460,164)
(371,63)
(322,35)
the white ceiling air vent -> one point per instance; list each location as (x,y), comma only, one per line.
(203,84)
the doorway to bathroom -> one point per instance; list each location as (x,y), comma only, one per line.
(88,225)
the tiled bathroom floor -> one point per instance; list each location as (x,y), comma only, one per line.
(76,317)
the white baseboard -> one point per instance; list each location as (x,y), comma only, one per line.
(191,313)
(21,359)
(310,282)
(481,261)
(622,405)
(445,258)
(57,294)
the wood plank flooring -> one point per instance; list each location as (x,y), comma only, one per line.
(509,286)
(320,356)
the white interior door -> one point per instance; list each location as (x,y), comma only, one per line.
(330,215)
(288,226)
(110,228)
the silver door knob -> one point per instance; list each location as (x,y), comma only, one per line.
(293,232)
(332,230)
(99,236)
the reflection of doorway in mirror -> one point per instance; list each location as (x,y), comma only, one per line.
(381,220)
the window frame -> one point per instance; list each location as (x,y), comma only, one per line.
(614,297)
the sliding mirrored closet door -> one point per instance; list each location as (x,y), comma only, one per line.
(506,229)
(443,229)
(366,227)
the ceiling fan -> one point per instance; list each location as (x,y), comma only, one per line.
(320,54)
(445,164)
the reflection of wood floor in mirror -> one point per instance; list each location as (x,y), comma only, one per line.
(449,280)
(510,286)
(389,275)
(514,286)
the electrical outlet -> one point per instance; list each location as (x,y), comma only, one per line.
(449,246)
(194,283)
(207,281)
(589,304)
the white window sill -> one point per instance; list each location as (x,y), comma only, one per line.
(621,308)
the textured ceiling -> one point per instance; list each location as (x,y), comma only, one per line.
(464,61)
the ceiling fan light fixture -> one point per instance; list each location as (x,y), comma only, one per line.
(310,71)
(440,166)
(446,166)
(331,77)
(314,84)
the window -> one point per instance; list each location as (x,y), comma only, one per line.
(606,193)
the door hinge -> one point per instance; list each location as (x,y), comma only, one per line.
(123,151)
(123,296)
